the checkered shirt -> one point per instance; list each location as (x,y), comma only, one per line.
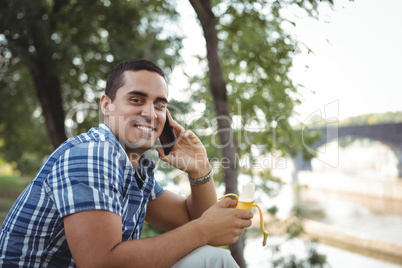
(88,172)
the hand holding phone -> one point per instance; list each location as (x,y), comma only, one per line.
(190,154)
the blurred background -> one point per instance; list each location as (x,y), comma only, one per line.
(302,98)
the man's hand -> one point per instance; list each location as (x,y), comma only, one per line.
(188,154)
(222,225)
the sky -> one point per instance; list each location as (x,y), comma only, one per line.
(357,60)
(355,67)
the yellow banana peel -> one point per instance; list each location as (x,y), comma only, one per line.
(248,206)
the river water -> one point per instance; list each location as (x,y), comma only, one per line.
(364,216)
(361,216)
(260,257)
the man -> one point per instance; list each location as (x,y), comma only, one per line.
(88,202)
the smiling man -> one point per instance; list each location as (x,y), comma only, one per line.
(87,204)
(137,111)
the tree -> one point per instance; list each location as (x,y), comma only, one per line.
(23,140)
(218,90)
(62,51)
(64,48)
(249,56)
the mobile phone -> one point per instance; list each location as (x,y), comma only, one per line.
(168,138)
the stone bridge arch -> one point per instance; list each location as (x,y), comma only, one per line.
(389,134)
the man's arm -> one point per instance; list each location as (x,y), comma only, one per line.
(201,198)
(95,240)
(189,155)
(170,210)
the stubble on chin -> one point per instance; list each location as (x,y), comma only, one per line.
(139,141)
(134,139)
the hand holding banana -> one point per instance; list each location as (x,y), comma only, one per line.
(246,201)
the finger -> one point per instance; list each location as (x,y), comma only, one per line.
(246,214)
(161,153)
(240,231)
(227,202)
(187,135)
(245,223)
(176,127)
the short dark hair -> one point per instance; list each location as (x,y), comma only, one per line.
(116,80)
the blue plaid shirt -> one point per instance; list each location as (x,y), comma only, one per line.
(88,172)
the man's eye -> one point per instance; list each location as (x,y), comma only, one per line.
(135,100)
(160,105)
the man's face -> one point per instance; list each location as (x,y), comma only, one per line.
(138,113)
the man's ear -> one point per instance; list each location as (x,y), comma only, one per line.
(105,103)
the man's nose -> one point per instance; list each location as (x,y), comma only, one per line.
(148,111)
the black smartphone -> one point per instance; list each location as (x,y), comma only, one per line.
(168,138)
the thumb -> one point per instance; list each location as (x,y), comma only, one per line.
(227,202)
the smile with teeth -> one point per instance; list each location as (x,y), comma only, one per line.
(145,128)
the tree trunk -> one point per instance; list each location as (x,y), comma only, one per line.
(43,69)
(218,89)
(48,91)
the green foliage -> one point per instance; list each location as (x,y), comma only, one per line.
(78,42)
(372,119)
(149,230)
(256,56)
(359,120)
(10,189)
(313,259)
(272,210)
(11,186)
(23,138)
(293,230)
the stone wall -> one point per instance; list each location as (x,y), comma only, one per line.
(333,236)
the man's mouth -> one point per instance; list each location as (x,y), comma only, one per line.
(145,128)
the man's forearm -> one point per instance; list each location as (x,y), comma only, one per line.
(94,237)
(160,251)
(202,197)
